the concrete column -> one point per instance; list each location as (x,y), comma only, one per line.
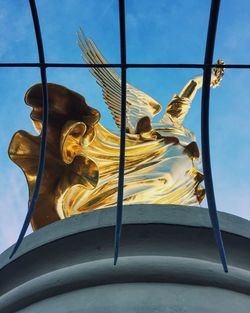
(168,263)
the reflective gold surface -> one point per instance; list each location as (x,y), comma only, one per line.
(82,157)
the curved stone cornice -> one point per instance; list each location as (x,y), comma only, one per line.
(163,246)
(153,269)
(133,214)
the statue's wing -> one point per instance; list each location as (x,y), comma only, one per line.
(140,107)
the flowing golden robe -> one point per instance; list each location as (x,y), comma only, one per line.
(82,157)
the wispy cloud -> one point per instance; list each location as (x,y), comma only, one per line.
(17,41)
(14,199)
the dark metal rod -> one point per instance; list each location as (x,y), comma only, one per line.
(209,66)
(214,12)
(60,65)
(20,64)
(118,227)
(42,155)
(131,65)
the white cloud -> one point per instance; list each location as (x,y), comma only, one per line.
(14,200)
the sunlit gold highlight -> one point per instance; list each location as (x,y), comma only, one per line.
(82,157)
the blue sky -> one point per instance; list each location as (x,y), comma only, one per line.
(159,31)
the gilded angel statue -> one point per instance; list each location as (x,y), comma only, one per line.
(82,156)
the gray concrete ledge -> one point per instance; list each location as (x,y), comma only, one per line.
(130,270)
(144,298)
(133,214)
(164,249)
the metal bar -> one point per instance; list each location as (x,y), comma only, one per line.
(118,227)
(60,65)
(131,65)
(209,66)
(20,64)
(214,12)
(41,163)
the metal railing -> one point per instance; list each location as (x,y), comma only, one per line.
(206,66)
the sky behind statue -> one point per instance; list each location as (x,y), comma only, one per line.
(157,32)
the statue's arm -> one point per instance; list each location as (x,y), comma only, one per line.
(179,106)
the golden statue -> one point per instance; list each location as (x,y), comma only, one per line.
(82,157)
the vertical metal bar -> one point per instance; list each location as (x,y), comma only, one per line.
(41,163)
(214,12)
(119,209)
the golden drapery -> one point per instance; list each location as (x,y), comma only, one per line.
(82,160)
(82,156)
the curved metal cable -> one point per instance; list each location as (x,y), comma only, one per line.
(119,209)
(214,12)
(41,163)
